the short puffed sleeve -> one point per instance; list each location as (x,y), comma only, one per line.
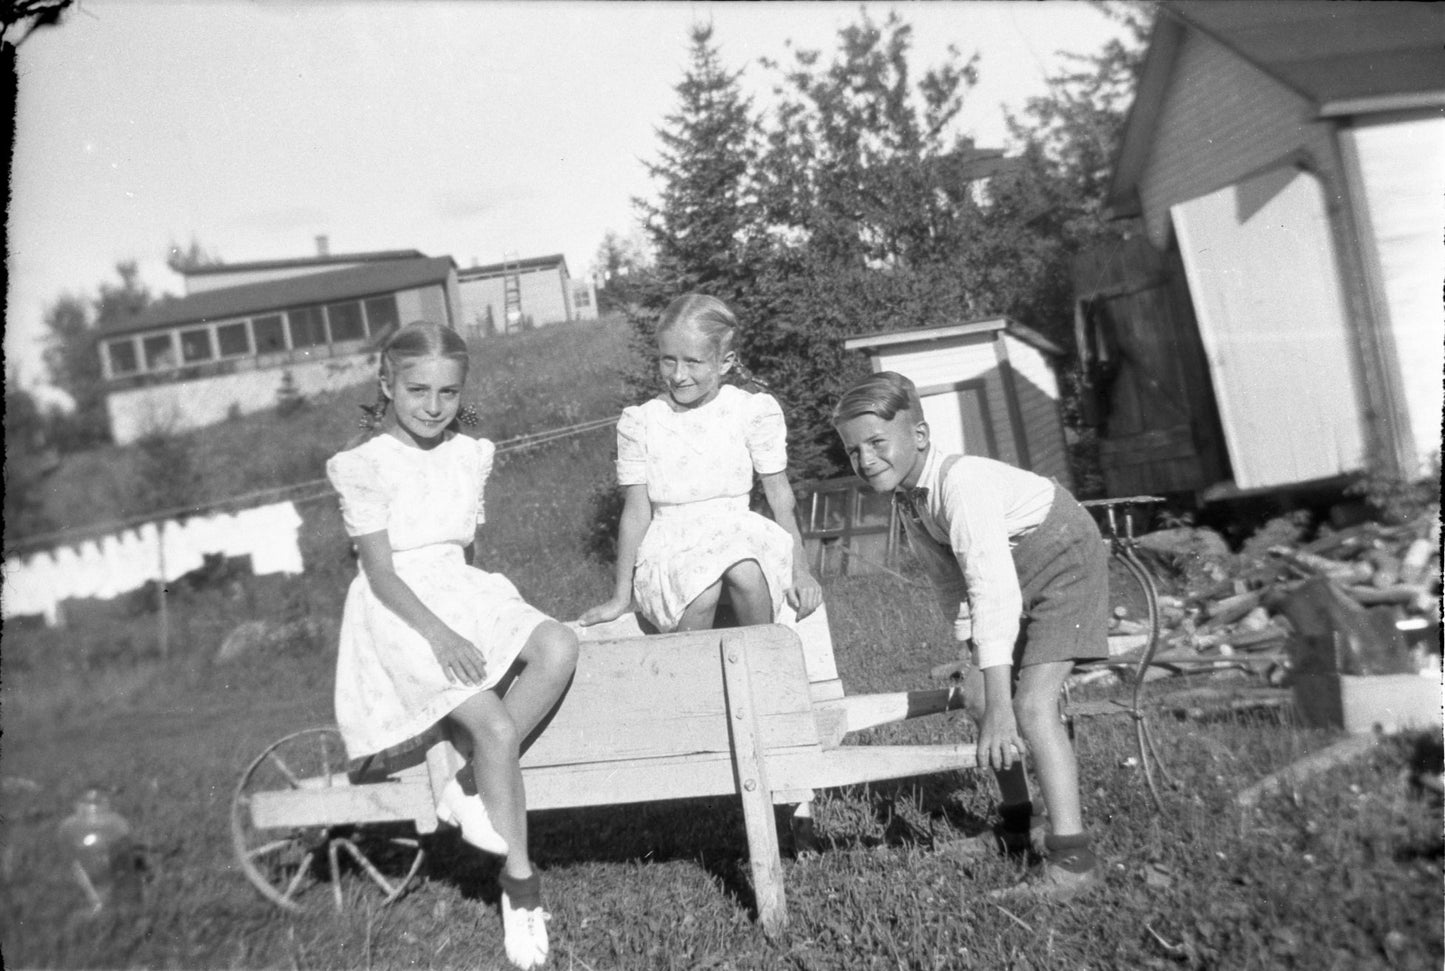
(365,494)
(631,448)
(767,434)
(486,453)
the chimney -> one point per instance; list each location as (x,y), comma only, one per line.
(323,246)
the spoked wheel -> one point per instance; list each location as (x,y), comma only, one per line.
(287,848)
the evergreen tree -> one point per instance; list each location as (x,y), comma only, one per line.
(704,224)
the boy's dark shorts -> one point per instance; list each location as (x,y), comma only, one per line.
(1063,570)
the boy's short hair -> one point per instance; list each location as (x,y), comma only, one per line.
(884,394)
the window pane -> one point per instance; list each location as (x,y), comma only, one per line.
(307,327)
(344,319)
(122,357)
(196,345)
(158,353)
(381,314)
(269,335)
(233,339)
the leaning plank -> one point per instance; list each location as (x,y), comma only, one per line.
(752,781)
(854,764)
(857,712)
(1285,779)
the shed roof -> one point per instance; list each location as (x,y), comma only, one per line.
(1343,58)
(374,256)
(522,266)
(968,328)
(254,298)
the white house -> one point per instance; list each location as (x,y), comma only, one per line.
(193,361)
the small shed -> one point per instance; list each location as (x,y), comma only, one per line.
(988,387)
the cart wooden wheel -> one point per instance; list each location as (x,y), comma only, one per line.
(288,863)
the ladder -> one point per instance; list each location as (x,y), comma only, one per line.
(512,319)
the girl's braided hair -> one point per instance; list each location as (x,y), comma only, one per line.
(717,323)
(420,338)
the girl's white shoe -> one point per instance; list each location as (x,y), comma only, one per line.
(524,933)
(456,808)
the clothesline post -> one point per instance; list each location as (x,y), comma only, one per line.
(164,612)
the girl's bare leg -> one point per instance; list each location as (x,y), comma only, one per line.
(1036,705)
(748,590)
(700,613)
(496,747)
(549,658)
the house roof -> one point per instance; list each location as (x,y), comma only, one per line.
(253,298)
(521,266)
(969,328)
(1344,58)
(375,256)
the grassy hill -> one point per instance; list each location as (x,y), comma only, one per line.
(520,383)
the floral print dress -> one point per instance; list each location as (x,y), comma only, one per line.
(389,686)
(698,465)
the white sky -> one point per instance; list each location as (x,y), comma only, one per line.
(469,129)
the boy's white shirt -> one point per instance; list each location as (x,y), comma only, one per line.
(969,522)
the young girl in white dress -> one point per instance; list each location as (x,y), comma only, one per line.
(425,636)
(686,461)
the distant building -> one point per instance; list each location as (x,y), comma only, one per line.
(501,298)
(245,331)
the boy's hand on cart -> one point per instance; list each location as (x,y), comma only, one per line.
(806,594)
(999,744)
(459,658)
(602,613)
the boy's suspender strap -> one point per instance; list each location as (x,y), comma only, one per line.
(947,467)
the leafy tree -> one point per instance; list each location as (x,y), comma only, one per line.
(859,157)
(29,460)
(72,353)
(620,264)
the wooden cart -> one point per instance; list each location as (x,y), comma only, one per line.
(755,712)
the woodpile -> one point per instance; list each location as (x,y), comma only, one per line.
(1370,593)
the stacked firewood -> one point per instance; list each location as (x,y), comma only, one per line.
(1241,618)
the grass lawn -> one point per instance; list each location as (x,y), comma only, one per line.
(1344,872)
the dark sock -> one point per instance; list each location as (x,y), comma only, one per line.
(524,893)
(1016,818)
(1072,853)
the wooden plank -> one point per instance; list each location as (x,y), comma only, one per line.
(682,776)
(658,696)
(752,776)
(376,803)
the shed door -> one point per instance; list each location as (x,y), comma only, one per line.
(1263,279)
(958,418)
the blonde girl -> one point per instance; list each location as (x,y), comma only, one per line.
(686,461)
(426,637)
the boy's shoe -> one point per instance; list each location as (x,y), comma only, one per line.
(456,808)
(1000,841)
(524,933)
(1051,882)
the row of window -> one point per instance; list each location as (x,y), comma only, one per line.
(287,330)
